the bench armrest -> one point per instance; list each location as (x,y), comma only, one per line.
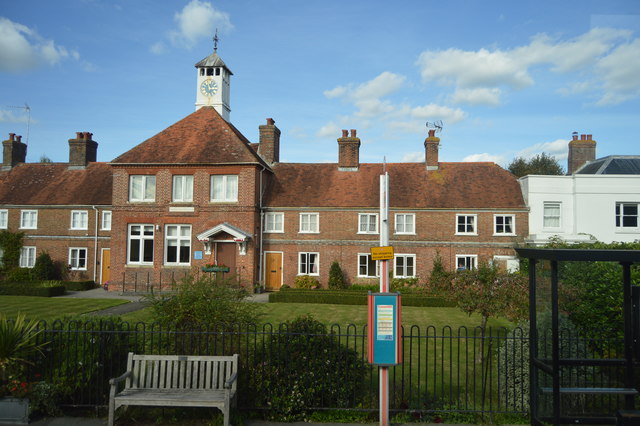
(117,380)
(230,380)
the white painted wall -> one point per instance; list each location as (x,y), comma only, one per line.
(588,205)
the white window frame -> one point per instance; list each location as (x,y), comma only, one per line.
(142,238)
(306,264)
(367,265)
(470,261)
(473,225)
(229,185)
(74,258)
(405,268)
(512,263)
(548,217)
(1,257)
(620,216)
(4,219)
(146,183)
(179,238)
(401,220)
(105,220)
(182,189)
(27,257)
(512,224)
(274,222)
(364,220)
(29,223)
(79,220)
(308,226)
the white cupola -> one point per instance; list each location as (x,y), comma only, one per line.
(214,81)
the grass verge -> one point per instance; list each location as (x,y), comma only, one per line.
(46,308)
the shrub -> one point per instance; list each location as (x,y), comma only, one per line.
(79,285)
(18,275)
(309,368)
(40,289)
(44,268)
(399,284)
(336,276)
(306,281)
(204,301)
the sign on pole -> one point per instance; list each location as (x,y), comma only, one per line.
(384,331)
(382,253)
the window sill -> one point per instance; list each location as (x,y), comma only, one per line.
(505,235)
(368,233)
(274,232)
(308,232)
(139,265)
(404,233)
(466,234)
(309,275)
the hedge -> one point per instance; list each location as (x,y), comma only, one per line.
(351,297)
(79,285)
(40,289)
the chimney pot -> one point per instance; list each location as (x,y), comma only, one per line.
(269,146)
(345,133)
(271,121)
(19,138)
(12,137)
(78,135)
(432,132)
(353,133)
(589,137)
(583,137)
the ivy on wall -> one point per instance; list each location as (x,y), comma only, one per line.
(10,244)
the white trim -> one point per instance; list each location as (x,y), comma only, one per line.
(4,219)
(83,222)
(184,187)
(317,229)
(474,258)
(317,263)
(103,213)
(225,185)
(405,256)
(475,224)
(277,231)
(27,265)
(22,212)
(141,237)
(377,267)
(145,179)
(551,204)
(178,238)
(102,262)
(495,225)
(237,233)
(264,266)
(376,231)
(86,258)
(395,224)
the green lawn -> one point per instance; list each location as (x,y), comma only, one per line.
(49,308)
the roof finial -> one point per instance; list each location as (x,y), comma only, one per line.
(215,42)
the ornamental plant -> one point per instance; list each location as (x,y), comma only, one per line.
(18,341)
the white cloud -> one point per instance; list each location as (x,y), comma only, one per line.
(21,48)
(607,57)
(158,48)
(620,72)
(196,20)
(488,96)
(559,149)
(329,130)
(434,112)
(413,157)
(483,157)
(336,92)
(8,116)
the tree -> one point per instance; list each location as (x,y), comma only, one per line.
(336,276)
(45,159)
(541,164)
(44,268)
(10,243)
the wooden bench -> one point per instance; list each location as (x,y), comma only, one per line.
(176,381)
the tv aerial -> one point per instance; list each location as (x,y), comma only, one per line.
(437,125)
(27,109)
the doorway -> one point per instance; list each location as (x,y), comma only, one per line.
(273,271)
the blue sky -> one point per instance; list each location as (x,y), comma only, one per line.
(506,78)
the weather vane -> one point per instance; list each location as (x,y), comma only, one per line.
(215,42)
(437,125)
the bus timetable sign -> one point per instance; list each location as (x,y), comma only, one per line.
(382,253)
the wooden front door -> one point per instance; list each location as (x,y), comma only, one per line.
(105,264)
(273,271)
(226,255)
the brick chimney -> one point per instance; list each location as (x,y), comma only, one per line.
(581,151)
(348,152)
(13,152)
(269,148)
(82,150)
(431,145)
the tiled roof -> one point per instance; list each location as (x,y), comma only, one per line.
(55,184)
(202,137)
(454,185)
(612,165)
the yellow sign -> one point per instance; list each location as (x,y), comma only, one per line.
(382,253)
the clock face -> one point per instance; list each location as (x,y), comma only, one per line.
(208,88)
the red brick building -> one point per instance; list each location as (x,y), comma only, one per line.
(199,192)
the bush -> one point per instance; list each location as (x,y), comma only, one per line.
(336,277)
(79,285)
(204,301)
(40,289)
(309,368)
(306,281)
(18,275)
(44,268)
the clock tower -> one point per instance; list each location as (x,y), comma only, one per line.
(213,83)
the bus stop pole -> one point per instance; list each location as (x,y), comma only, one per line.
(384,288)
